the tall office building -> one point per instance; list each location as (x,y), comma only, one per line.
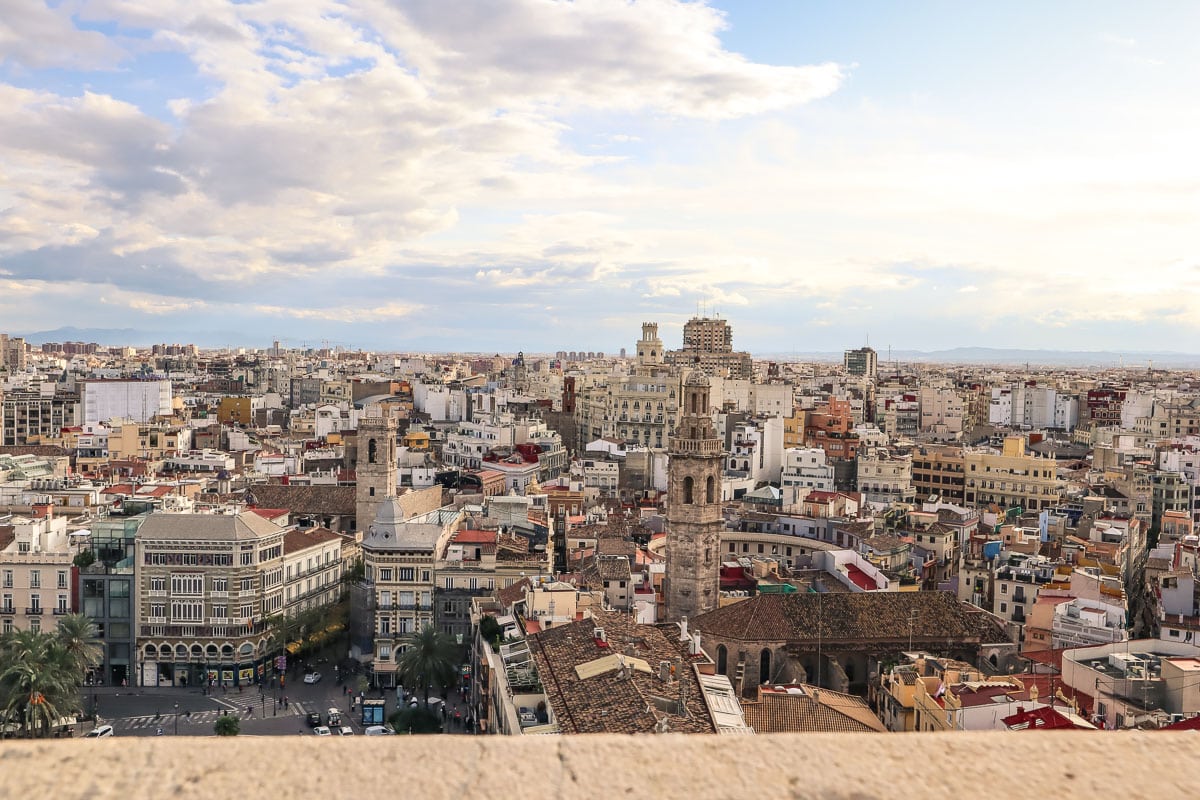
(863,361)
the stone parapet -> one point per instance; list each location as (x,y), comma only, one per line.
(1026,764)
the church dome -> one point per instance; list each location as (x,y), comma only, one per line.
(696,378)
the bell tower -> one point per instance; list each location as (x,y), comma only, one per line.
(375,469)
(694,520)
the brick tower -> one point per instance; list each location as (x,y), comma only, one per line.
(694,520)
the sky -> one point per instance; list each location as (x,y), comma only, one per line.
(502,175)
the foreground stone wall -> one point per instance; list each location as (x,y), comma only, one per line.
(1133,765)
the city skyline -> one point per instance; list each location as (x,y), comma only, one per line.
(392,177)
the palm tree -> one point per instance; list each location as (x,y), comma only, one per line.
(431,658)
(39,683)
(80,639)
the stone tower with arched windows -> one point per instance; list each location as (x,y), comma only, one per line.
(650,356)
(375,468)
(694,519)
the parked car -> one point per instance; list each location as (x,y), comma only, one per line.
(321,730)
(312,677)
(333,718)
(378,730)
(99,733)
(345,730)
(314,719)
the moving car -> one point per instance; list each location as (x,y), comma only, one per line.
(333,718)
(314,719)
(99,733)
(312,677)
(345,730)
(321,730)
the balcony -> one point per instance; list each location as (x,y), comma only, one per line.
(34,611)
(60,612)
(158,592)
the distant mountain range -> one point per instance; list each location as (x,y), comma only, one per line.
(130,337)
(957,355)
(1016,357)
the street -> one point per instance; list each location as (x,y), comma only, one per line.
(142,711)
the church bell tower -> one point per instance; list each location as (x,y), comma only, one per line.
(375,469)
(694,520)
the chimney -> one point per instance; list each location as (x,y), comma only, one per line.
(683,631)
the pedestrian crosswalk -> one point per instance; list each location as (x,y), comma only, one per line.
(206,718)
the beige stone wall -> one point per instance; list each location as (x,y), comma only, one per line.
(1062,765)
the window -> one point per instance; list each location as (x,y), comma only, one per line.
(385,626)
(62,604)
(62,579)
(220,584)
(8,603)
(247,584)
(158,584)
(187,611)
(246,610)
(407,573)
(385,652)
(35,624)
(158,609)
(184,584)
(385,574)
(247,558)
(8,578)
(35,603)
(8,626)
(220,611)
(35,579)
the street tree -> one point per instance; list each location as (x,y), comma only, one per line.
(431,659)
(227,725)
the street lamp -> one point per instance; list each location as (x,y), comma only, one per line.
(177,719)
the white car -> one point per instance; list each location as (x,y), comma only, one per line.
(321,730)
(346,730)
(98,733)
(377,730)
(312,677)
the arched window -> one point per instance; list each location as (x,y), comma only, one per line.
(764,666)
(722,659)
(746,464)
(849,668)
(688,490)
(710,490)
(371,451)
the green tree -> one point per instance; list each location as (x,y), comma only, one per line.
(415,720)
(431,659)
(79,638)
(84,559)
(489,629)
(227,725)
(39,680)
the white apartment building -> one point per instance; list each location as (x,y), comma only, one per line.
(884,478)
(35,570)
(807,467)
(140,401)
(312,569)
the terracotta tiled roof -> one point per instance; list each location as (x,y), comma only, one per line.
(807,710)
(850,617)
(605,701)
(300,538)
(513,594)
(339,500)
(8,533)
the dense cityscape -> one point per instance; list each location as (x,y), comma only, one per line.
(677,538)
